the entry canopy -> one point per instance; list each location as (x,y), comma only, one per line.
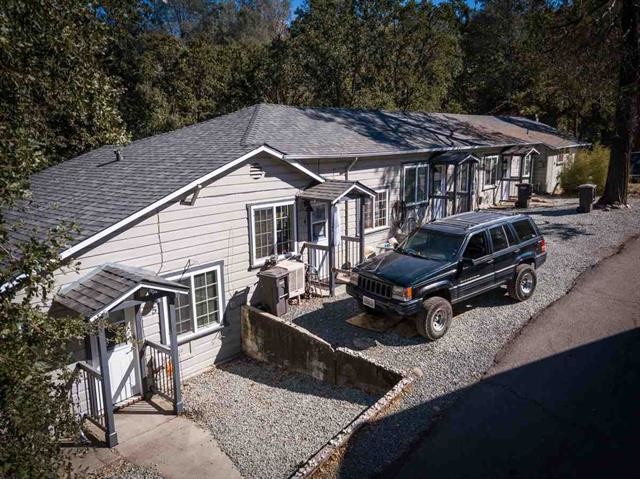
(335,190)
(520,151)
(454,158)
(104,288)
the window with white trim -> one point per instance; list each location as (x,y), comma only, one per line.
(415,181)
(201,308)
(463,178)
(273,230)
(526,166)
(376,211)
(490,168)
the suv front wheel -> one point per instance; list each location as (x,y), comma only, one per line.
(523,284)
(435,318)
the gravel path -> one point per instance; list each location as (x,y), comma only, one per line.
(480,329)
(266,419)
(125,470)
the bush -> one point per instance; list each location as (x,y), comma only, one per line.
(589,166)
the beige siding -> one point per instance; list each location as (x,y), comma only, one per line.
(181,237)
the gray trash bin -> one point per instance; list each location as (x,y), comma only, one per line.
(524,195)
(272,291)
(587,197)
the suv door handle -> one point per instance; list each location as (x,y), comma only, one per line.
(517,250)
(490,261)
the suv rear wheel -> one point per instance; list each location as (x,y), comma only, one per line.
(435,318)
(523,284)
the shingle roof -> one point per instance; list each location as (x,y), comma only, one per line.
(332,190)
(91,294)
(95,192)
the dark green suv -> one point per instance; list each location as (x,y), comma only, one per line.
(448,261)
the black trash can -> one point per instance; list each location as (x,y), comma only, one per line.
(524,195)
(587,194)
(272,291)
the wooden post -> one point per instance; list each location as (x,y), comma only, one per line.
(455,188)
(332,260)
(140,349)
(361,228)
(175,359)
(111,437)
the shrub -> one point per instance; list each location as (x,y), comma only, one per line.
(589,166)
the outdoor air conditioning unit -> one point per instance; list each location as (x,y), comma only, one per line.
(296,277)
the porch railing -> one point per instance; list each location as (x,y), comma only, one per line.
(86,395)
(347,255)
(348,252)
(159,369)
(318,257)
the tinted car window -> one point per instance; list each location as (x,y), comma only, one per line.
(498,238)
(524,229)
(510,236)
(477,247)
(432,245)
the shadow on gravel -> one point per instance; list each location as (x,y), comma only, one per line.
(280,378)
(570,415)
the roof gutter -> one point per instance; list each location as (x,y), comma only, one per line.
(377,154)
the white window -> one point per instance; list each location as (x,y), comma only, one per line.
(526,166)
(273,230)
(415,181)
(490,168)
(319,221)
(376,211)
(202,307)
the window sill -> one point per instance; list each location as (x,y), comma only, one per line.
(421,203)
(200,334)
(260,262)
(487,188)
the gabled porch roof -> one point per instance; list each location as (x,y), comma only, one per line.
(520,150)
(454,157)
(109,285)
(335,190)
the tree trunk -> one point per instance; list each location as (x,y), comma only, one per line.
(626,115)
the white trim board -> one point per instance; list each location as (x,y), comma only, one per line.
(180,192)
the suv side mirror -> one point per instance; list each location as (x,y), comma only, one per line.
(467,262)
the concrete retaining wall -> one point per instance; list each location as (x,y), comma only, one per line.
(268,338)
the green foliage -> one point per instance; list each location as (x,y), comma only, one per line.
(51,83)
(589,166)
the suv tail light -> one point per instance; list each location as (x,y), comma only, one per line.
(542,246)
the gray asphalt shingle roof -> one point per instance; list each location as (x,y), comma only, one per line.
(99,289)
(332,190)
(94,191)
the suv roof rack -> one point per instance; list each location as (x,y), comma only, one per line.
(472,219)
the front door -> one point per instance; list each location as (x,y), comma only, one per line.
(439,191)
(506,184)
(477,268)
(123,366)
(320,236)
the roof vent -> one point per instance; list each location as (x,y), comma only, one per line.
(255,171)
(118,154)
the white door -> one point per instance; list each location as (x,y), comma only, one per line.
(320,232)
(439,191)
(123,367)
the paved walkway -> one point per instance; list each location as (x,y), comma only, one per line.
(150,436)
(562,399)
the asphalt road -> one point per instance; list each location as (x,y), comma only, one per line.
(562,400)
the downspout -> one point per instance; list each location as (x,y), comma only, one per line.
(346,210)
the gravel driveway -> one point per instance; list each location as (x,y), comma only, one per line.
(479,331)
(266,419)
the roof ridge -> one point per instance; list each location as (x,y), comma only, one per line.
(248,133)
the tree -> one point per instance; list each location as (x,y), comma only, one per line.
(50,77)
(627,107)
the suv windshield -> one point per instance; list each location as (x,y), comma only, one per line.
(431,244)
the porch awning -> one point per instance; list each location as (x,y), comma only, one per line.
(521,151)
(335,190)
(454,157)
(108,285)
